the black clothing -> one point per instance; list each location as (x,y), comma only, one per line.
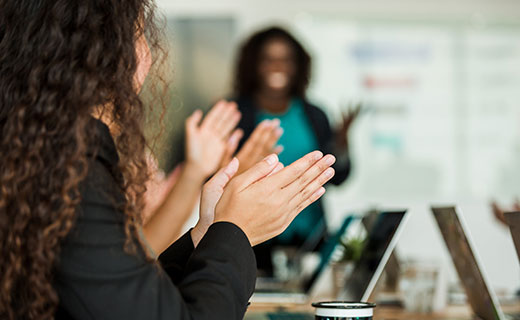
(96,279)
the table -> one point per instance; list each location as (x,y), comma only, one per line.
(457,312)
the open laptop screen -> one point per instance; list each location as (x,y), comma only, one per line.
(468,268)
(380,243)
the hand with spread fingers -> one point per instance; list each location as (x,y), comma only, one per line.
(265,199)
(261,143)
(348,118)
(207,143)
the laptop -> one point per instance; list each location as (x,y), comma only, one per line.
(381,241)
(513,221)
(272,293)
(392,268)
(481,297)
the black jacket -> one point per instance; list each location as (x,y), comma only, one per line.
(320,125)
(96,279)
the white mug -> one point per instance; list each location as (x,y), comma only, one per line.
(343,310)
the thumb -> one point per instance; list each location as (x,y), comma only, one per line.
(258,171)
(222,177)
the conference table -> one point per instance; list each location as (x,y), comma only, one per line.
(452,312)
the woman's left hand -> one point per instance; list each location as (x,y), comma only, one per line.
(207,143)
(348,118)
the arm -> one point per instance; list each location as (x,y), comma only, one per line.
(206,145)
(96,279)
(167,221)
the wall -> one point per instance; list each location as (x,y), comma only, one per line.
(454,143)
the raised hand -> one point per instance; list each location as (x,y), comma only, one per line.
(265,199)
(261,143)
(347,119)
(209,141)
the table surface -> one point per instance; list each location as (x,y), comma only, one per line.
(383,312)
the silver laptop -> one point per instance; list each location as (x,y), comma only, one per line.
(513,220)
(481,297)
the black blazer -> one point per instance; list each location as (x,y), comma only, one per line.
(320,125)
(96,279)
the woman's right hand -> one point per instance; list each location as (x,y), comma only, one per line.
(265,199)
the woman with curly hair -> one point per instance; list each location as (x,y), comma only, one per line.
(73,172)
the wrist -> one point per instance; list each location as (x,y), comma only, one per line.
(197,233)
(194,172)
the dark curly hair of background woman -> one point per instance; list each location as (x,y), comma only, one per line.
(60,59)
(246,80)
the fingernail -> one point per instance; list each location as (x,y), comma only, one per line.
(330,160)
(271,159)
(318,193)
(318,155)
(276,122)
(329,172)
(279,132)
(233,139)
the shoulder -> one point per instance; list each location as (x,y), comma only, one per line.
(314,112)
(102,185)
(101,145)
(244,103)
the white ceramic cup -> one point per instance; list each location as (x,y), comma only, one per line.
(343,310)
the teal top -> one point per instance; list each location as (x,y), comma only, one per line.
(297,140)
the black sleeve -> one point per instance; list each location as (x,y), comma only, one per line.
(97,279)
(174,259)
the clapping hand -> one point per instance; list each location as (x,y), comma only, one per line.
(208,143)
(265,199)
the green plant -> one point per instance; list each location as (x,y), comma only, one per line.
(353,248)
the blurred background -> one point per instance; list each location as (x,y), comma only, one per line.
(440,85)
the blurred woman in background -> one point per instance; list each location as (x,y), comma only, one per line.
(271,78)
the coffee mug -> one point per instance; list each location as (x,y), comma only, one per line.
(343,310)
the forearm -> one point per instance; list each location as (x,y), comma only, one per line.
(166,224)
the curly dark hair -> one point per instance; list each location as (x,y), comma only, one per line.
(246,81)
(60,60)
